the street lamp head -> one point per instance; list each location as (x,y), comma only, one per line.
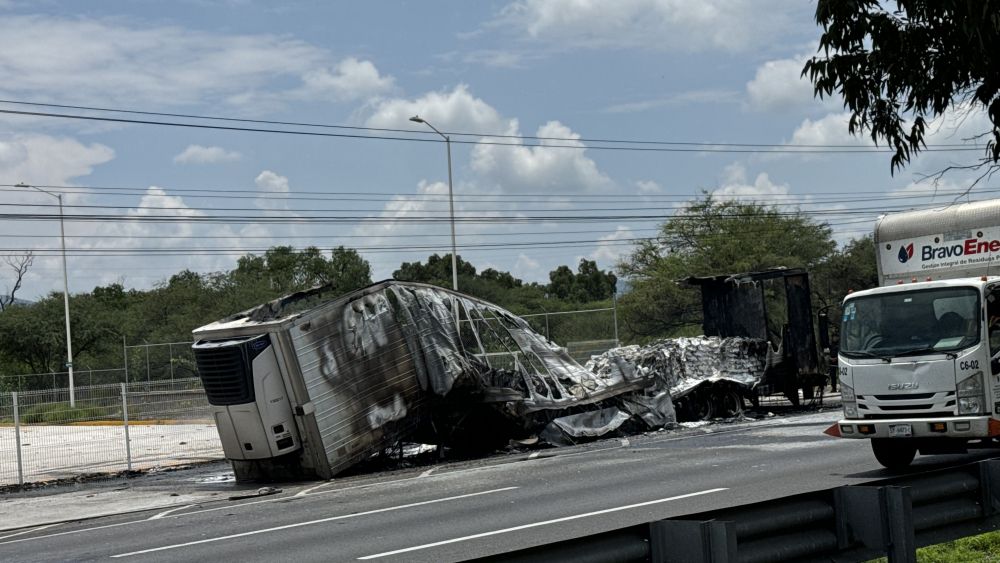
(417,119)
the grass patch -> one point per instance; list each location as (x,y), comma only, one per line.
(55,413)
(984,548)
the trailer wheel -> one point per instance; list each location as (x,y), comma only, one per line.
(730,403)
(696,406)
(893,453)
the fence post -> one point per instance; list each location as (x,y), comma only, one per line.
(170,349)
(547,337)
(125,357)
(128,442)
(147,365)
(614,310)
(17,438)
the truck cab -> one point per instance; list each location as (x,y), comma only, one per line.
(918,367)
(919,361)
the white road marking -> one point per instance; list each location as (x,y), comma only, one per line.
(305,492)
(748,426)
(311,522)
(74,531)
(537,524)
(428,472)
(624,442)
(22,532)
(167,512)
(533,455)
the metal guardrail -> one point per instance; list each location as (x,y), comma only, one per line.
(891,517)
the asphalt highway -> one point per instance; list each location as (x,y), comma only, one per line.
(459,511)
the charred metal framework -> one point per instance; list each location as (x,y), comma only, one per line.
(736,305)
(399,360)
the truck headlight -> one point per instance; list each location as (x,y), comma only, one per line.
(849,401)
(970,395)
(970,405)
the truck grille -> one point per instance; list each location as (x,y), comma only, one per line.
(902,416)
(905,397)
(224,375)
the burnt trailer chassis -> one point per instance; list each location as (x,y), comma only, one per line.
(311,384)
(736,305)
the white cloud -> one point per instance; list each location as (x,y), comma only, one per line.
(649,187)
(680,99)
(272,184)
(457,110)
(610,248)
(529,269)
(682,25)
(831,129)
(955,126)
(197,154)
(519,168)
(349,80)
(542,168)
(779,85)
(46,160)
(492,58)
(179,242)
(109,62)
(735,185)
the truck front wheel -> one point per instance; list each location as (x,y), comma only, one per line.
(893,453)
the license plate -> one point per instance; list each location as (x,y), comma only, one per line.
(900,430)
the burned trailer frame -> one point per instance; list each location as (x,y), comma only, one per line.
(736,305)
(313,383)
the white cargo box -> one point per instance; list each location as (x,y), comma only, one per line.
(956,241)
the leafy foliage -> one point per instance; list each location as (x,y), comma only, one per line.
(589,283)
(712,237)
(922,58)
(32,337)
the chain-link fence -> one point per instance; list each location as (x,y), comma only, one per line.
(568,326)
(167,361)
(112,428)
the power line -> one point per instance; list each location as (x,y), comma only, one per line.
(449,133)
(218,193)
(653,149)
(746,231)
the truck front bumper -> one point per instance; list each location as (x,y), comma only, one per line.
(970,427)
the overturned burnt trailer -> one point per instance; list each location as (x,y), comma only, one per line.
(773,307)
(313,383)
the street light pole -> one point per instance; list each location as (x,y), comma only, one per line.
(451,202)
(69,339)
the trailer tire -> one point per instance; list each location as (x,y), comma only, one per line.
(893,453)
(696,406)
(730,403)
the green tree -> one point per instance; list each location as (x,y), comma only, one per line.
(850,268)
(283,270)
(589,283)
(437,271)
(915,61)
(347,270)
(712,237)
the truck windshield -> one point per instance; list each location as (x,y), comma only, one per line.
(910,323)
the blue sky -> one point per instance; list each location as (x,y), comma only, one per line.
(713,71)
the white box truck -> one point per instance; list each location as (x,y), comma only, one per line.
(919,357)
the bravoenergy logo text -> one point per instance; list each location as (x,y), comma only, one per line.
(905,253)
(969,247)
